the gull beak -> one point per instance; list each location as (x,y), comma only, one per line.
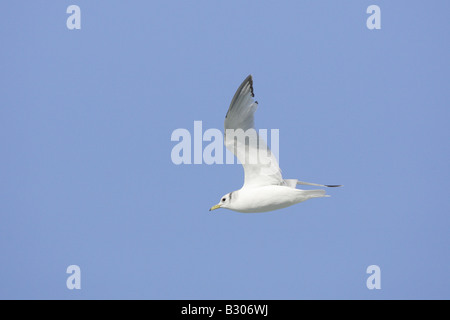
(217,206)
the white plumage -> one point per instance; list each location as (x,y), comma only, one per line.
(264,188)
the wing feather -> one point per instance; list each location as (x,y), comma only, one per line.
(260,165)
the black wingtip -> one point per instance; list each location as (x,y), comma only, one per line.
(333,185)
(249,79)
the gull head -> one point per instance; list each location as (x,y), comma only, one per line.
(224,202)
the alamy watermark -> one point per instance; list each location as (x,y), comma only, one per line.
(374,20)
(250,146)
(374,280)
(73,22)
(74,280)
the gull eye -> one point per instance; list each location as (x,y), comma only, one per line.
(223,199)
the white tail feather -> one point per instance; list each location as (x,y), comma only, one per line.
(315,193)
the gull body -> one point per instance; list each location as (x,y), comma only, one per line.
(264,188)
(267,198)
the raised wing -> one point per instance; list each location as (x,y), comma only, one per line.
(260,166)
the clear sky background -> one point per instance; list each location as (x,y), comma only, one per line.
(86,176)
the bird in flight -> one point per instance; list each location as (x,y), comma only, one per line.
(264,188)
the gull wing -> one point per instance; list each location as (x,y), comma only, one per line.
(260,165)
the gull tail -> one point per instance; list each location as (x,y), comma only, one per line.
(320,193)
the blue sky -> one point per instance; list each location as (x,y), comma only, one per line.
(86,176)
